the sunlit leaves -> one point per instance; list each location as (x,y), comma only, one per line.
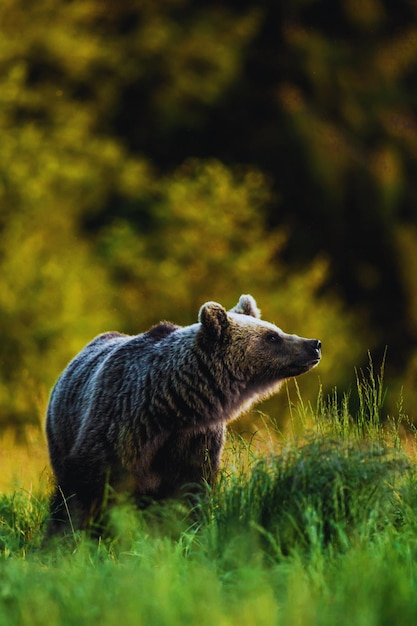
(97,232)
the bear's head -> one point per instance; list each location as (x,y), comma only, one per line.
(254,350)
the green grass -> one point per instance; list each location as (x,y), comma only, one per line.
(323,531)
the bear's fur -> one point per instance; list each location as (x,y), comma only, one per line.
(147,413)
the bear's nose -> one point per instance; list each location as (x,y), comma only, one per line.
(317,346)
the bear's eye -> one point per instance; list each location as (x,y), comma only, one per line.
(273,338)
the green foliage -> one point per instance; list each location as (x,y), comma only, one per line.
(340,481)
(320,532)
(205,232)
(21,518)
(320,493)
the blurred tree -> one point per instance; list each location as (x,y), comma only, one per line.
(54,293)
(206,238)
(318,94)
(203,235)
(53,296)
(300,119)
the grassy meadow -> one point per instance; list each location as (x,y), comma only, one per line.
(318,527)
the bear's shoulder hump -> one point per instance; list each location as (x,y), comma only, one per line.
(160,331)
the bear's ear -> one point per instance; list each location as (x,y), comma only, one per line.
(213,318)
(247,306)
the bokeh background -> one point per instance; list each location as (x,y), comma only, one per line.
(158,154)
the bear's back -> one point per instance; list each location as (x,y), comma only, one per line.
(100,362)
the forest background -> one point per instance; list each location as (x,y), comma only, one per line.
(155,155)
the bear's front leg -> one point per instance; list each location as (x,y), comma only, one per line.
(187,461)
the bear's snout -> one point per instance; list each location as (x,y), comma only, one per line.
(315,348)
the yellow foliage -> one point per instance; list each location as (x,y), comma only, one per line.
(52,299)
(366,13)
(406,238)
(92,238)
(398,55)
(24,465)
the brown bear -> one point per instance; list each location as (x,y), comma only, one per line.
(147,413)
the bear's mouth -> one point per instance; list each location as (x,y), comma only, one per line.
(308,365)
(295,369)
